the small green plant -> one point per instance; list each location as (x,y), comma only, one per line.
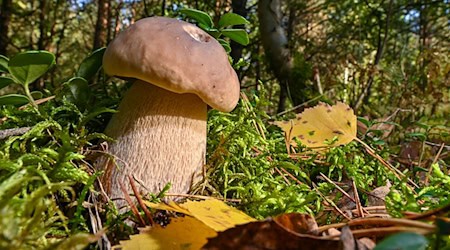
(222,29)
(45,173)
(23,69)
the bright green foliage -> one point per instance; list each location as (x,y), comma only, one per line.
(45,169)
(243,155)
(435,195)
(248,160)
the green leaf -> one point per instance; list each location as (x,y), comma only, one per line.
(13,99)
(237,35)
(91,64)
(28,66)
(5,81)
(4,63)
(364,121)
(420,136)
(225,45)
(96,113)
(199,16)
(403,241)
(37,95)
(230,19)
(76,91)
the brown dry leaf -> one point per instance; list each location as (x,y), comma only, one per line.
(271,234)
(216,214)
(297,223)
(316,127)
(182,233)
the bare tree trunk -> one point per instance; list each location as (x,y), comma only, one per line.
(239,7)
(163,7)
(42,25)
(382,40)
(5,18)
(275,44)
(424,41)
(102,24)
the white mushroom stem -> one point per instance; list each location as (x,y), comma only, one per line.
(161,136)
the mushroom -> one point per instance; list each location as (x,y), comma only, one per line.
(160,128)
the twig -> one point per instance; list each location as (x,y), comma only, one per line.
(331,202)
(338,188)
(359,233)
(282,175)
(429,213)
(385,222)
(292,176)
(394,170)
(357,201)
(130,202)
(140,201)
(299,106)
(13,131)
(35,102)
(436,157)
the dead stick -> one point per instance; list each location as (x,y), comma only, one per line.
(421,216)
(13,131)
(434,161)
(331,202)
(148,214)
(132,206)
(357,201)
(359,233)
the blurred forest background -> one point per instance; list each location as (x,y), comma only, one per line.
(381,57)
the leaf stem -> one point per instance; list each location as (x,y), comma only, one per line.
(30,97)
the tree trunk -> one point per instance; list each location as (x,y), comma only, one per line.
(239,7)
(275,44)
(5,17)
(42,25)
(101,26)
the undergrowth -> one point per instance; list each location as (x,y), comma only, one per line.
(47,177)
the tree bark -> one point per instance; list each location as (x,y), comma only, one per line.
(275,44)
(239,7)
(5,18)
(381,43)
(42,25)
(102,24)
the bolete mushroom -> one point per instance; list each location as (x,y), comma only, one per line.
(160,128)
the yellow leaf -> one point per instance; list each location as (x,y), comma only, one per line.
(316,127)
(182,233)
(171,206)
(216,214)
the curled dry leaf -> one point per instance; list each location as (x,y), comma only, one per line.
(317,127)
(267,235)
(297,223)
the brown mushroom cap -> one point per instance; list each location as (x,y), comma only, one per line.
(177,56)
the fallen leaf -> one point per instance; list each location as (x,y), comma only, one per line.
(170,206)
(297,223)
(317,127)
(267,235)
(182,233)
(216,214)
